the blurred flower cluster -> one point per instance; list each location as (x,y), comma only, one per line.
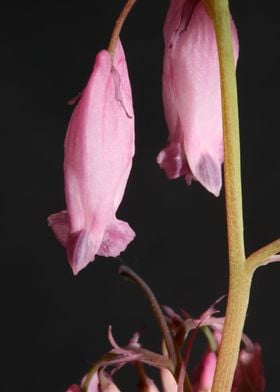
(248,377)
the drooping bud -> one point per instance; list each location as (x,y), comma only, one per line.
(99,148)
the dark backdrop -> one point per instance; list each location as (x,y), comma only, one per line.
(56,324)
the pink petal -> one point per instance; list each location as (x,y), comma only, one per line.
(80,250)
(93,385)
(117,236)
(204,374)
(168,381)
(173,161)
(59,224)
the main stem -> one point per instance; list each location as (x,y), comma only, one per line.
(240,278)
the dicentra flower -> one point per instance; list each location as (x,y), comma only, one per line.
(192,96)
(249,374)
(99,148)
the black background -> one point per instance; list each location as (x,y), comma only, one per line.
(56,324)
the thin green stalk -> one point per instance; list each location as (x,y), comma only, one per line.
(220,14)
(210,338)
(240,269)
(240,278)
(260,257)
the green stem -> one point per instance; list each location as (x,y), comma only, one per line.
(240,270)
(240,278)
(237,305)
(210,338)
(259,257)
(232,174)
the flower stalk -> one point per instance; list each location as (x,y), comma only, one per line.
(264,255)
(118,26)
(240,277)
(240,269)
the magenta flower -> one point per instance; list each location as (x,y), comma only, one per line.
(99,147)
(192,97)
(249,374)
(248,377)
(98,383)
(204,374)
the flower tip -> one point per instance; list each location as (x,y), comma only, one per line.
(73,388)
(208,173)
(168,381)
(80,250)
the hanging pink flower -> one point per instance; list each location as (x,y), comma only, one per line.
(249,374)
(99,147)
(204,374)
(192,96)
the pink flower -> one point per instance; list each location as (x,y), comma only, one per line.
(249,375)
(99,147)
(204,374)
(100,382)
(192,97)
